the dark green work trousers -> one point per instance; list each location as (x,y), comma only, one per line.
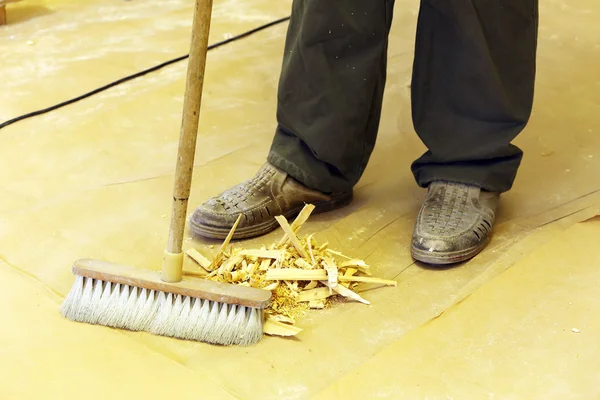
(472,89)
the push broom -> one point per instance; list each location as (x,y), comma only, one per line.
(168,303)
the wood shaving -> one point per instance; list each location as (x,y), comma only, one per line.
(200,259)
(316,304)
(300,273)
(311,285)
(277,328)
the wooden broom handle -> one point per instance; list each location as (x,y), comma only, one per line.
(189,123)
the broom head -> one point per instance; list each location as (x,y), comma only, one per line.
(135,299)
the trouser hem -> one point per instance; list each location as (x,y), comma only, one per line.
(299,174)
(465,175)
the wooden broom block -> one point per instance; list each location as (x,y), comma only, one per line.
(193,287)
(3,3)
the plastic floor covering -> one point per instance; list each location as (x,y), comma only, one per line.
(93,179)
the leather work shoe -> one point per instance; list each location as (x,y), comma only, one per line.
(270,193)
(454,223)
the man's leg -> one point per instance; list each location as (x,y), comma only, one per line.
(472,88)
(472,94)
(329,104)
(331,89)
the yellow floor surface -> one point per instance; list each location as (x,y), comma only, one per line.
(93,179)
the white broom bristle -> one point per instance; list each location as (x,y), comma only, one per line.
(137,309)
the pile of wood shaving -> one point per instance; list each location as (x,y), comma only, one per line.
(300,273)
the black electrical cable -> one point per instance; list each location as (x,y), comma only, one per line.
(137,75)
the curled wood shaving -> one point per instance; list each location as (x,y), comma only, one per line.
(302,263)
(271,286)
(311,285)
(310,248)
(334,253)
(332,273)
(300,273)
(264,265)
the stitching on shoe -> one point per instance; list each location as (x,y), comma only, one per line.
(448,211)
(241,193)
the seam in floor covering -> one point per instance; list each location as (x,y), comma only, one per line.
(513,221)
(509,244)
(509,221)
(403,270)
(30,276)
(567,215)
(198,165)
(385,226)
(121,332)
(568,202)
(60,198)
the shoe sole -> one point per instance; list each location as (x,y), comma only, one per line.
(252,231)
(447,258)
